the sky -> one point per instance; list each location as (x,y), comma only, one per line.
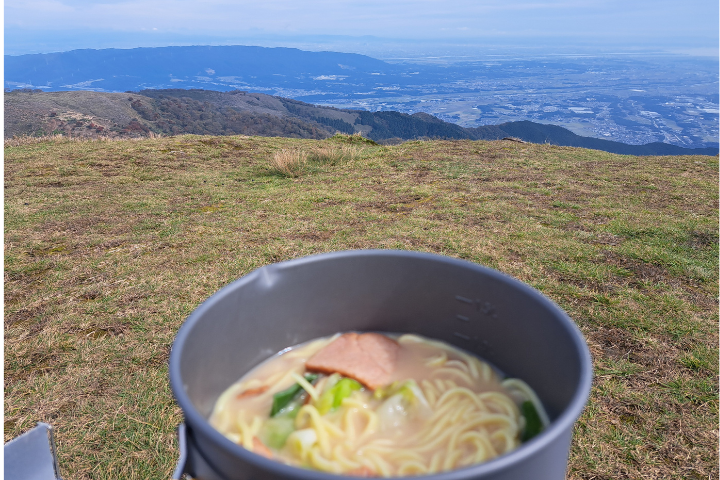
(684,27)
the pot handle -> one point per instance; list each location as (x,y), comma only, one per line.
(182,465)
(32,455)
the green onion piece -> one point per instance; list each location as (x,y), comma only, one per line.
(344,389)
(291,409)
(275,431)
(533,424)
(332,398)
(325,403)
(282,399)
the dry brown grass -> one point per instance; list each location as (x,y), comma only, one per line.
(293,162)
(109,245)
(332,154)
(20,140)
(288,162)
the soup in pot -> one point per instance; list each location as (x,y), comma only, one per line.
(372,405)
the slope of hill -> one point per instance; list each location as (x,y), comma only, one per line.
(92,114)
(207,112)
(541,133)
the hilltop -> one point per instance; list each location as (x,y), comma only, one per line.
(207,112)
(109,244)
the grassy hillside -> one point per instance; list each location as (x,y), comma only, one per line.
(128,115)
(110,244)
(206,112)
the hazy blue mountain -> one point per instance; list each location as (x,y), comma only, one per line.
(226,67)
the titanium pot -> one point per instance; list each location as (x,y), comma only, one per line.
(478,309)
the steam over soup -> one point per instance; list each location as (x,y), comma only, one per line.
(371,405)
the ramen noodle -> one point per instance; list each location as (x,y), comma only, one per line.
(375,406)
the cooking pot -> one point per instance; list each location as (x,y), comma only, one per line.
(475,308)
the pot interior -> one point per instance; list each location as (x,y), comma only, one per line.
(477,309)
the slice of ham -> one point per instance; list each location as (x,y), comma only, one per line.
(260,448)
(368,358)
(362,471)
(252,392)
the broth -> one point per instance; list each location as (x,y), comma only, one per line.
(437,409)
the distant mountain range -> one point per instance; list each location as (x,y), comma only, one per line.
(219,68)
(207,112)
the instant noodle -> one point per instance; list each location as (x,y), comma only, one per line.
(372,405)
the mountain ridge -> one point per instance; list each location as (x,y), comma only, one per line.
(196,111)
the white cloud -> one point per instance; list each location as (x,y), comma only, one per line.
(330,77)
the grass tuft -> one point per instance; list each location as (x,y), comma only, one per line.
(289,163)
(331,154)
(294,162)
